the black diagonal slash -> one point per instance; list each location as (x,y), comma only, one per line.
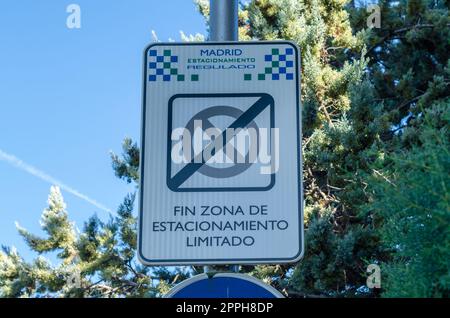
(246,118)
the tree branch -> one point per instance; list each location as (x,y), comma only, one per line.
(399,31)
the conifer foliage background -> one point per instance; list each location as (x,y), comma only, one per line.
(376,162)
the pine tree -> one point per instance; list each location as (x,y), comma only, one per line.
(407,179)
(410,198)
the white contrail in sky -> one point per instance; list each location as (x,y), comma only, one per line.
(16,162)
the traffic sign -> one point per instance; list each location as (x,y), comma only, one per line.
(223,285)
(221,168)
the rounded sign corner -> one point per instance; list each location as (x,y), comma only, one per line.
(298,257)
(141,257)
(294,46)
(151,45)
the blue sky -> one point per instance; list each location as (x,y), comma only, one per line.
(68,97)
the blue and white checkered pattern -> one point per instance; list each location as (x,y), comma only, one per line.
(278,65)
(163,66)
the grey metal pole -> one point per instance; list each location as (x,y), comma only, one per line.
(223,20)
(235,268)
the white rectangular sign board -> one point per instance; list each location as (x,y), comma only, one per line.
(221,168)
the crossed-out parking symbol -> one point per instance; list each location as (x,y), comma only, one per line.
(241,120)
(204,117)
